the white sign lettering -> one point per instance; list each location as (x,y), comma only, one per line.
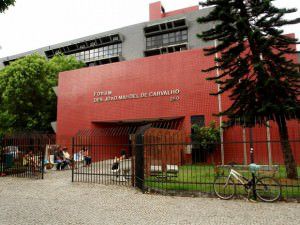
(107,96)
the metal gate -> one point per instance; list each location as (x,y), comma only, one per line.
(139,162)
(117,155)
(23,155)
(103,157)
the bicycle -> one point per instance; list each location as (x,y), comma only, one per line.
(267,189)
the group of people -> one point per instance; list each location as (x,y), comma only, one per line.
(62,158)
(86,156)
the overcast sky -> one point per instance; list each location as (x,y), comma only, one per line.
(32,24)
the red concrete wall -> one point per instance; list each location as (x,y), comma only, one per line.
(181,11)
(155,12)
(180,70)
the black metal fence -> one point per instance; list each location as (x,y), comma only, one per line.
(23,155)
(168,169)
(166,165)
(98,160)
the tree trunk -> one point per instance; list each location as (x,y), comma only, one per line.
(289,161)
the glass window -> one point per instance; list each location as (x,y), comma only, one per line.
(91,55)
(178,36)
(115,38)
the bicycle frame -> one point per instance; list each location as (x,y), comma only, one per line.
(237,176)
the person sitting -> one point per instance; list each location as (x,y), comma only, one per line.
(66,157)
(59,159)
(31,161)
(87,157)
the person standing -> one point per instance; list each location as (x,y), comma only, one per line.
(87,157)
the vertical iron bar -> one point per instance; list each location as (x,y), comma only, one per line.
(73,159)
(252,160)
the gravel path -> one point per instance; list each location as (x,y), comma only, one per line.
(56,200)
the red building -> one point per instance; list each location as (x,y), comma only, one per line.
(166,86)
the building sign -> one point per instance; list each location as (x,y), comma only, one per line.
(108,96)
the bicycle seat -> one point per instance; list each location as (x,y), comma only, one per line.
(253,167)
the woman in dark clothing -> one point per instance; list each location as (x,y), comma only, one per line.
(87,157)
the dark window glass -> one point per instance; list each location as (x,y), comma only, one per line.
(166,39)
(99,53)
(198,119)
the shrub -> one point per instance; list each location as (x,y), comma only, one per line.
(207,138)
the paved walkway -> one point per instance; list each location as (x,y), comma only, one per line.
(56,200)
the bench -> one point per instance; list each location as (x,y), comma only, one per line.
(156,170)
(172,170)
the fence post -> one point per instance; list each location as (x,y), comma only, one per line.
(73,159)
(139,162)
(42,145)
(1,158)
(252,160)
(245,146)
(269,143)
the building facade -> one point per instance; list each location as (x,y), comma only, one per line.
(163,33)
(152,75)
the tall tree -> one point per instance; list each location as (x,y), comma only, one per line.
(4,4)
(255,69)
(26,96)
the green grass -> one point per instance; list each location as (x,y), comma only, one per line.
(201,178)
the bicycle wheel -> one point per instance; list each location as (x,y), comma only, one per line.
(224,187)
(268,189)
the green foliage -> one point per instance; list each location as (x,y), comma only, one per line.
(61,63)
(256,69)
(26,95)
(207,138)
(252,58)
(4,4)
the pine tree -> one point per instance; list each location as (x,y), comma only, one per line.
(252,57)
(4,4)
